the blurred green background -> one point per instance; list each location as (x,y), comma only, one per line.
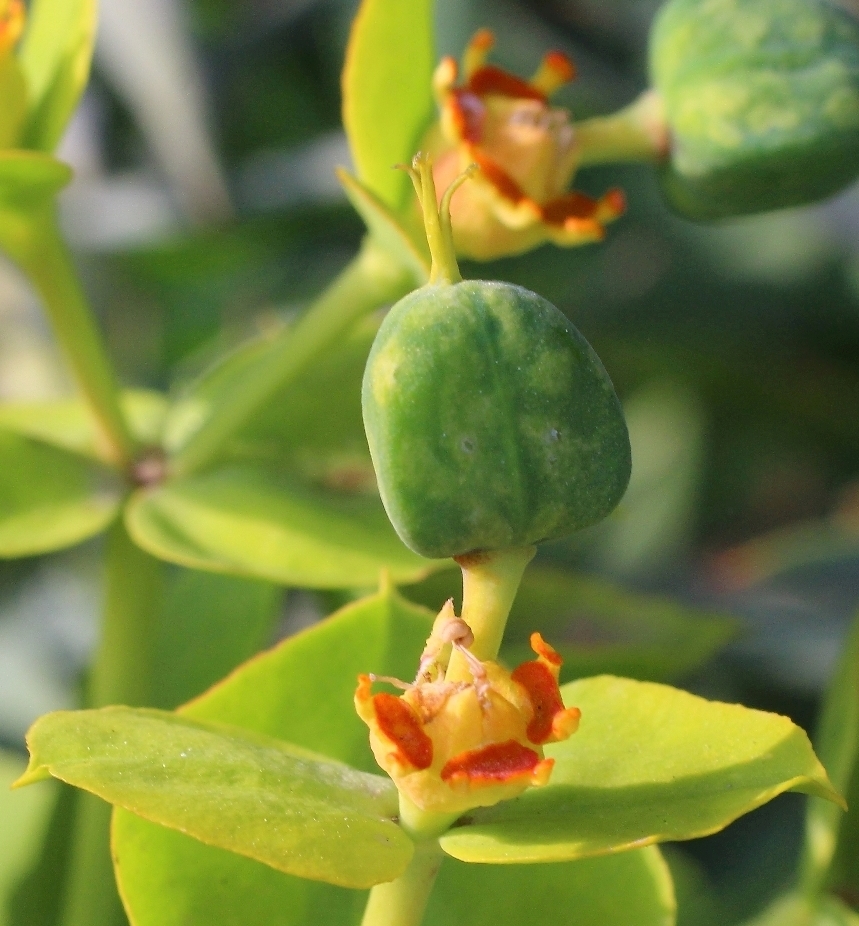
(205,210)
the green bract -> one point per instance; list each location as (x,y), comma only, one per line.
(762,100)
(491,421)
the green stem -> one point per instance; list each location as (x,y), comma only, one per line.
(489,585)
(638,132)
(44,257)
(372,279)
(402,902)
(121,674)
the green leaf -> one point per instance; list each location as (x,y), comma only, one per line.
(300,691)
(208,625)
(698,904)
(55,55)
(797,910)
(256,796)
(649,763)
(410,249)
(630,889)
(248,521)
(38,895)
(387,97)
(831,838)
(50,499)
(312,427)
(24,817)
(596,626)
(66,423)
(168,879)
(294,499)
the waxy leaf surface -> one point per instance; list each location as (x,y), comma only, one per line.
(248,521)
(649,763)
(170,880)
(300,691)
(387,98)
(629,889)
(50,499)
(258,797)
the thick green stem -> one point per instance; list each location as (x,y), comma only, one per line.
(402,902)
(122,674)
(638,132)
(372,279)
(44,257)
(489,585)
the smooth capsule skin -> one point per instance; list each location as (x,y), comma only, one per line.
(762,101)
(490,420)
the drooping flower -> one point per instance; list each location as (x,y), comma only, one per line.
(527,152)
(451,744)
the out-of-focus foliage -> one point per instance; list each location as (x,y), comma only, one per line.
(733,346)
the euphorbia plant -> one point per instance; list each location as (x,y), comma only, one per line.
(250,472)
(488,763)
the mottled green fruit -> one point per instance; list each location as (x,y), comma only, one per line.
(762,100)
(491,421)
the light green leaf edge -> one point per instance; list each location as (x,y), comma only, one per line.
(646,760)
(67,424)
(49,498)
(259,797)
(239,520)
(386,229)
(387,96)
(837,743)
(55,55)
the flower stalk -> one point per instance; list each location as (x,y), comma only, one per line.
(402,902)
(490,582)
(638,132)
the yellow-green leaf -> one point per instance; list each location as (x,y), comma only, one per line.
(67,423)
(387,97)
(649,764)
(55,55)
(259,797)
(832,838)
(50,499)
(628,889)
(390,232)
(247,520)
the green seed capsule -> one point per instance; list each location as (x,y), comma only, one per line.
(491,421)
(762,99)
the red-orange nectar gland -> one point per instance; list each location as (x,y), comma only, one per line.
(453,745)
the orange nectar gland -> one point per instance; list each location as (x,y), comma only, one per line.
(527,153)
(453,745)
(12,18)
